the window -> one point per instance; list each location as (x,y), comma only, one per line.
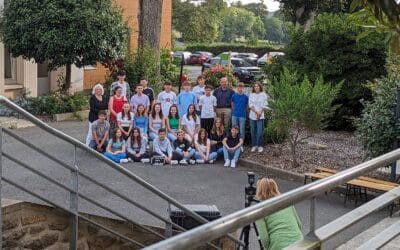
(10,67)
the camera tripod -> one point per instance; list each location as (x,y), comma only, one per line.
(245,233)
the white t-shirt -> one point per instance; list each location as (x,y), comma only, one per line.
(259,102)
(202,147)
(207,104)
(125,122)
(199,92)
(190,123)
(167,100)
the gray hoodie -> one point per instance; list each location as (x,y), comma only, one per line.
(142,149)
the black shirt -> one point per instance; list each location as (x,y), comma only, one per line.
(232,141)
(183,145)
(218,139)
(150,93)
(96,106)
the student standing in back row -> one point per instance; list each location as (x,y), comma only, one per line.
(121,83)
(185,98)
(140,98)
(207,105)
(147,91)
(167,98)
(199,90)
(224,98)
(239,106)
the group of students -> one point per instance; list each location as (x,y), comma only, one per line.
(185,128)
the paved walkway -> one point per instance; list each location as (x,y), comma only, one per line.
(198,184)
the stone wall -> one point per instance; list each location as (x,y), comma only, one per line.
(32,226)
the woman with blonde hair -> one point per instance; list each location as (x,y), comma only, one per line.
(280,229)
(97,102)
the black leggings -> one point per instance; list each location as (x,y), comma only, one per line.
(137,159)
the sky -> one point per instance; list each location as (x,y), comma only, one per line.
(271,5)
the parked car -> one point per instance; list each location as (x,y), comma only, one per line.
(186,55)
(243,70)
(199,57)
(267,57)
(248,57)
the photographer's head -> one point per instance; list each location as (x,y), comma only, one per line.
(266,188)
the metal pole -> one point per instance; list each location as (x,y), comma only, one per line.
(181,73)
(311,234)
(73,205)
(1,175)
(396,140)
(168,226)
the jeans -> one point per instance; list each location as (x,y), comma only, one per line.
(93,145)
(116,158)
(152,135)
(235,154)
(171,137)
(89,135)
(257,132)
(241,122)
(211,157)
(219,151)
(179,152)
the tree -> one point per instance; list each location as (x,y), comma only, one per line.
(258,9)
(273,30)
(330,48)
(64,32)
(300,107)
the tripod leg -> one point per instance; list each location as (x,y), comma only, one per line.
(246,232)
(258,236)
(240,238)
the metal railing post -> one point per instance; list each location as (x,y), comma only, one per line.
(1,188)
(168,226)
(73,205)
(311,234)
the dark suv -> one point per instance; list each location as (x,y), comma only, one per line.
(243,70)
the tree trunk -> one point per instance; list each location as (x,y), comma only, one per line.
(67,84)
(150,12)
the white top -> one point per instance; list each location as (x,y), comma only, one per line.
(125,122)
(207,104)
(166,99)
(190,123)
(202,147)
(259,102)
(199,92)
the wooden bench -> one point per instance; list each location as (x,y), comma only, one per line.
(356,187)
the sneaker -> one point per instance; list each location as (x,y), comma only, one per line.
(145,160)
(174,162)
(192,162)
(123,161)
(233,164)
(227,163)
(200,161)
(129,159)
(241,149)
(211,161)
(183,162)
(254,149)
(260,149)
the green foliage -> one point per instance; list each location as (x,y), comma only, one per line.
(64,32)
(142,63)
(377,127)
(301,107)
(218,48)
(49,104)
(330,48)
(275,30)
(272,134)
(214,75)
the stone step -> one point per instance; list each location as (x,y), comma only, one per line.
(358,240)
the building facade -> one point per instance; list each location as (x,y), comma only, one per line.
(17,74)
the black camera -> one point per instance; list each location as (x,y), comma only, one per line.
(250,190)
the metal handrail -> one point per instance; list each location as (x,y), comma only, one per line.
(231,222)
(77,144)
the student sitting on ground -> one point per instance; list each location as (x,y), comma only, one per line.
(232,144)
(217,136)
(125,120)
(136,146)
(162,146)
(141,120)
(100,131)
(116,148)
(183,150)
(203,148)
(172,122)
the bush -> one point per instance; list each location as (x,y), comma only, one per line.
(330,48)
(49,104)
(274,135)
(377,127)
(216,49)
(214,74)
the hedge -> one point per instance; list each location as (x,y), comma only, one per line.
(217,49)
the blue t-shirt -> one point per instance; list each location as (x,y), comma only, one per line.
(116,145)
(239,104)
(142,123)
(184,100)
